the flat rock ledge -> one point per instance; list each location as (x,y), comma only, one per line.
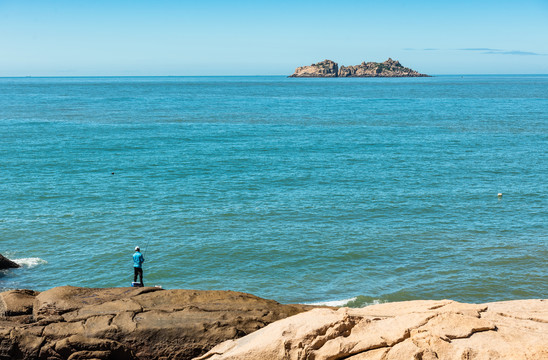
(149,323)
(407,330)
(330,69)
(128,323)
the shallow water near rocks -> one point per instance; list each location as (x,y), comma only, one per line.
(299,190)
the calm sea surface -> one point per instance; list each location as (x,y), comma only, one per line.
(298,190)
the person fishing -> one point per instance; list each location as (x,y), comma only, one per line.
(138,260)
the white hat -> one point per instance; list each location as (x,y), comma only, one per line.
(137,248)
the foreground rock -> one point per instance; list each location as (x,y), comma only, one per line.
(128,323)
(328,68)
(6,263)
(149,323)
(408,330)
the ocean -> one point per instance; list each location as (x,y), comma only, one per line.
(340,191)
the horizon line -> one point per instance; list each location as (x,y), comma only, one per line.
(281,75)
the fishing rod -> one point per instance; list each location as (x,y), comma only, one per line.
(146,247)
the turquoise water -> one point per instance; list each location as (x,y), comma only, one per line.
(298,190)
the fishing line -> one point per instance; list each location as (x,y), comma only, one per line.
(146,247)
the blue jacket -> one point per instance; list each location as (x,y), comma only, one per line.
(138,259)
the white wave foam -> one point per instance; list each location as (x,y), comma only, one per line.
(335,303)
(30,262)
(374,302)
(358,301)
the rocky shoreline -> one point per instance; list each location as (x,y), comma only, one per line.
(425,330)
(128,323)
(330,69)
(150,323)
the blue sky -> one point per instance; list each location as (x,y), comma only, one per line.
(71,38)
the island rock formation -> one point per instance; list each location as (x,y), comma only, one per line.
(328,68)
(6,263)
(73,323)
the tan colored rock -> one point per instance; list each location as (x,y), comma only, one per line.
(16,302)
(407,330)
(64,299)
(149,323)
(326,68)
(81,347)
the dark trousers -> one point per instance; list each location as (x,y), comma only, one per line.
(137,271)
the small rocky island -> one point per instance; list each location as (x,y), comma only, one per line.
(329,68)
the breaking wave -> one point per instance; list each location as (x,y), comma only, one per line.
(337,303)
(30,262)
(355,302)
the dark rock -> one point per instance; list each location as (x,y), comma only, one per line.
(128,323)
(6,263)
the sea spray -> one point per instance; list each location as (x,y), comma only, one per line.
(30,262)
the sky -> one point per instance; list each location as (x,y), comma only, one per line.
(210,37)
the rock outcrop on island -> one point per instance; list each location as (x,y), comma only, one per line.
(149,323)
(128,323)
(6,263)
(328,68)
(407,330)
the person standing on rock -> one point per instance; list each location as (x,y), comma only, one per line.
(138,260)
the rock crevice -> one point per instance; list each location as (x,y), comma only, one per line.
(407,330)
(128,323)
(70,323)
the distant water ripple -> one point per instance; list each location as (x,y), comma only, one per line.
(351,191)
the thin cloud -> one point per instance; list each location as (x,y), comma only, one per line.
(480,49)
(489,51)
(502,52)
(517,52)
